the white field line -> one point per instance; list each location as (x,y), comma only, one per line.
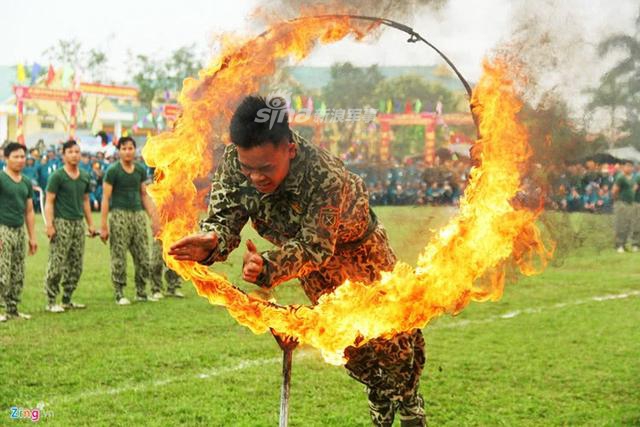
(211,373)
(535,310)
(247,364)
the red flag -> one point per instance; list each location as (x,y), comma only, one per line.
(51,74)
(407,107)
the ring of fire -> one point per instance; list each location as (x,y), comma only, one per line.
(464,261)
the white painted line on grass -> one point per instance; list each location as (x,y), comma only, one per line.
(247,364)
(535,310)
(211,373)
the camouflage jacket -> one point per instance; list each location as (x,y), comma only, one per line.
(319,205)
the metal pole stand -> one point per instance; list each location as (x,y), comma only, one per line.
(287,344)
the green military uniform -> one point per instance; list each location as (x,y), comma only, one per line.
(66,250)
(128,227)
(158,266)
(624,210)
(14,197)
(320,221)
(635,232)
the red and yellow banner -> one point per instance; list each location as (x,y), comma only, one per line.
(45,93)
(127,92)
(171,111)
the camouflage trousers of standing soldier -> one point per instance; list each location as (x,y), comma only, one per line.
(66,252)
(158,266)
(389,368)
(128,232)
(12,255)
(626,223)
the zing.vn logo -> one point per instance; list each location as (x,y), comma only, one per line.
(34,414)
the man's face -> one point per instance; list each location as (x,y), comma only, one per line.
(16,160)
(266,165)
(627,168)
(71,155)
(127,152)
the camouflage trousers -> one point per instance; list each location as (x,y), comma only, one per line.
(66,252)
(128,232)
(158,266)
(389,368)
(12,256)
(626,222)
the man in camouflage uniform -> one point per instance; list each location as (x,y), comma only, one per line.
(624,190)
(158,267)
(124,202)
(67,204)
(16,208)
(304,201)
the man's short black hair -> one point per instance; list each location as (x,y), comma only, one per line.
(123,140)
(13,146)
(252,123)
(66,145)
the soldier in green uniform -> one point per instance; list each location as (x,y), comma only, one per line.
(16,208)
(624,190)
(124,202)
(303,200)
(66,205)
(158,270)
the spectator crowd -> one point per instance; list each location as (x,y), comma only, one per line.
(580,187)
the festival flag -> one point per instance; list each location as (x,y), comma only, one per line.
(51,75)
(408,107)
(310,104)
(418,106)
(389,108)
(21,75)
(323,108)
(298,103)
(382,106)
(35,72)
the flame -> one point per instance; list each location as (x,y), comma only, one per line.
(465,261)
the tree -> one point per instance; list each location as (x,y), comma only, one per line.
(611,96)
(350,88)
(621,84)
(92,65)
(156,76)
(181,64)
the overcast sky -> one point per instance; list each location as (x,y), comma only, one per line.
(466,30)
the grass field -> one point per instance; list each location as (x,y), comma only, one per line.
(561,348)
